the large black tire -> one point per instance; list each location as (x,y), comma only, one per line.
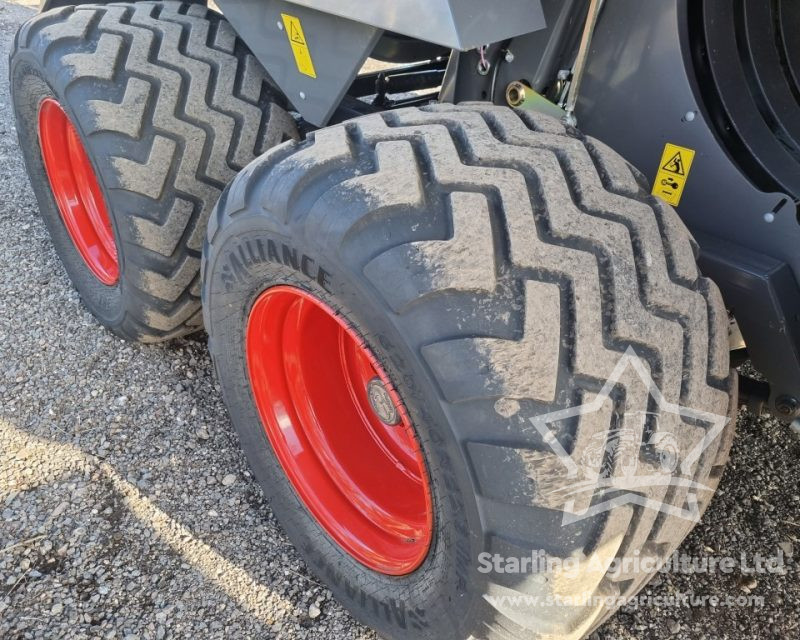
(170,105)
(499,266)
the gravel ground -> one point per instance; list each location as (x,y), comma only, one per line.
(127,511)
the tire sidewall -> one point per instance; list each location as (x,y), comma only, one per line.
(29,88)
(440,599)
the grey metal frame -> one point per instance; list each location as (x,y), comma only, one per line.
(456,24)
(342,33)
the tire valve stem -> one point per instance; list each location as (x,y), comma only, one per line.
(381,402)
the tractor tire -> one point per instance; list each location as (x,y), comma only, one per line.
(505,272)
(167,105)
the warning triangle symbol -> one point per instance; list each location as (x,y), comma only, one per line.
(295,35)
(675,165)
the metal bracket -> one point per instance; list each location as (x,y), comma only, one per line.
(519,95)
(580,62)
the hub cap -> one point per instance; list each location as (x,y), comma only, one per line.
(77,192)
(339,430)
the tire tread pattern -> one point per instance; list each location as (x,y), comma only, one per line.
(184,106)
(556,230)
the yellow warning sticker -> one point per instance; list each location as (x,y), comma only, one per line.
(673,171)
(297,40)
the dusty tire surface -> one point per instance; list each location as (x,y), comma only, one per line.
(170,105)
(500,267)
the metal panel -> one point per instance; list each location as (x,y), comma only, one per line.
(636,96)
(767,288)
(338,49)
(456,24)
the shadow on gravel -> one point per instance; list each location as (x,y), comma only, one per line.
(36,462)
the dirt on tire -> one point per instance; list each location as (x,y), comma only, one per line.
(170,105)
(501,266)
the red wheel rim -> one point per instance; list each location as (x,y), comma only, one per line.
(362,479)
(77,192)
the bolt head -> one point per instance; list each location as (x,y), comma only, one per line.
(769,217)
(280,25)
(302,95)
(509,56)
(690,116)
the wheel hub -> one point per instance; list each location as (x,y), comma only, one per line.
(381,402)
(77,192)
(339,430)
